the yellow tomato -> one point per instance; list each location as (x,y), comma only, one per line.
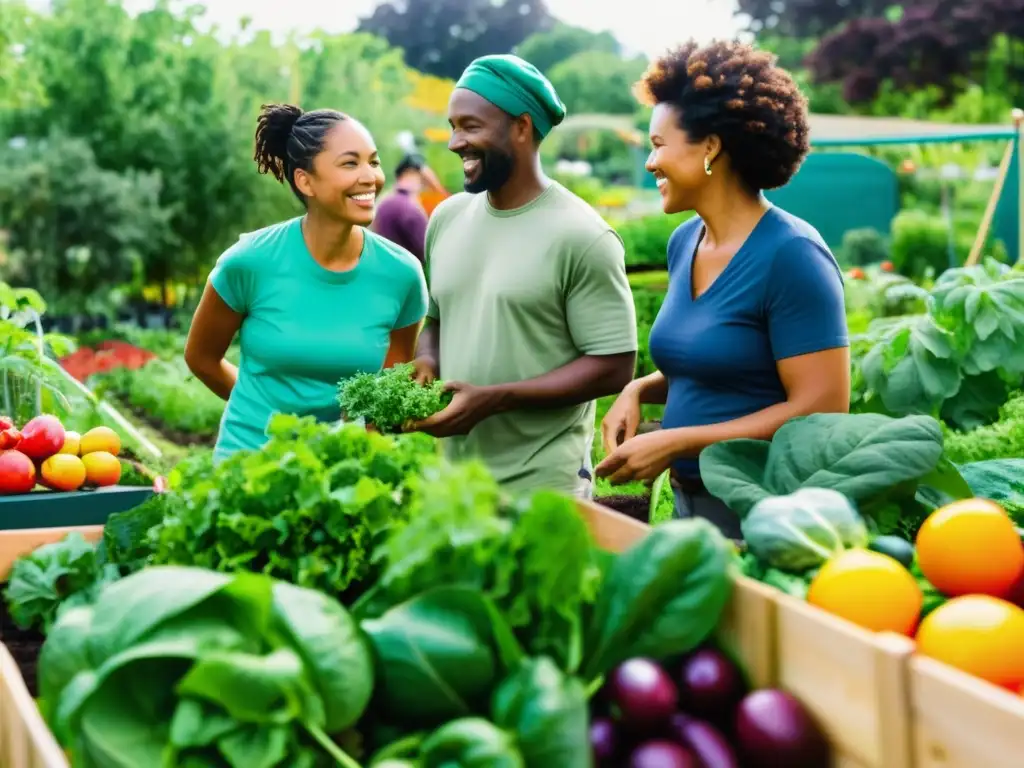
(979,634)
(869,589)
(970,547)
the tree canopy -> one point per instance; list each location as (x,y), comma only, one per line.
(134,136)
(440,37)
(547,49)
(865,44)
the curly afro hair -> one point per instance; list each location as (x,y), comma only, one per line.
(737,93)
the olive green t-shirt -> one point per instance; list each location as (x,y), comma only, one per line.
(519,293)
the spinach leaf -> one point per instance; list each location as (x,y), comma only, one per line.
(136,605)
(533,559)
(252,688)
(115,733)
(200,668)
(944,482)
(437,656)
(198,724)
(333,649)
(255,747)
(662,596)
(547,711)
(863,456)
(734,471)
(470,742)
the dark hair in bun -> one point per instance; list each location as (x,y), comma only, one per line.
(288,139)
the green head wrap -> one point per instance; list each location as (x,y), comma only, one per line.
(517,87)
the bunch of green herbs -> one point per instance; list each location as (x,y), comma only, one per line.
(390,399)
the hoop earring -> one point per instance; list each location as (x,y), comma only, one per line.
(707,166)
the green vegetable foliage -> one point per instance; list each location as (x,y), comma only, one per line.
(958,360)
(533,558)
(876,461)
(390,399)
(1002,481)
(184,666)
(662,596)
(304,509)
(54,577)
(802,530)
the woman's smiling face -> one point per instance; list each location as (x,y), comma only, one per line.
(676,162)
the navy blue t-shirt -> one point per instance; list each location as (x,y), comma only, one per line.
(780,296)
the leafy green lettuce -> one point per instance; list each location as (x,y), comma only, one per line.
(305,509)
(54,577)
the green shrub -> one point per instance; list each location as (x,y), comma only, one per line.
(862,247)
(646,238)
(920,244)
(647,303)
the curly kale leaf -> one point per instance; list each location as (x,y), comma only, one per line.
(390,399)
(306,508)
(126,534)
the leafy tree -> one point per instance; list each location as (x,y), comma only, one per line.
(441,37)
(865,44)
(149,105)
(563,41)
(805,19)
(19,85)
(74,227)
(363,76)
(597,81)
(149,94)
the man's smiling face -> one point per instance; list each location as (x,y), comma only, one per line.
(481,136)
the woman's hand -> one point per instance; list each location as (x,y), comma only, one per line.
(622,420)
(644,457)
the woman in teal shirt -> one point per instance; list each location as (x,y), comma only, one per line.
(315,299)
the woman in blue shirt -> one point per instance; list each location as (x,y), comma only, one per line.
(753,328)
(316,298)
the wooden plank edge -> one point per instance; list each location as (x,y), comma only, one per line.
(34,740)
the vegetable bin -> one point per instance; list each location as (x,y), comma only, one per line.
(56,509)
(881,706)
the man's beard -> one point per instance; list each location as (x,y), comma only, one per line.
(496,168)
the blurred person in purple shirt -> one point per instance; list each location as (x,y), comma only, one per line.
(400,216)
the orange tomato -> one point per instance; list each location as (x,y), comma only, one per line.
(970,547)
(979,634)
(870,589)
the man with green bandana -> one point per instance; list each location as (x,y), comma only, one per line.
(531,317)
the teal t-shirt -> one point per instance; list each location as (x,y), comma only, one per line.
(307,327)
